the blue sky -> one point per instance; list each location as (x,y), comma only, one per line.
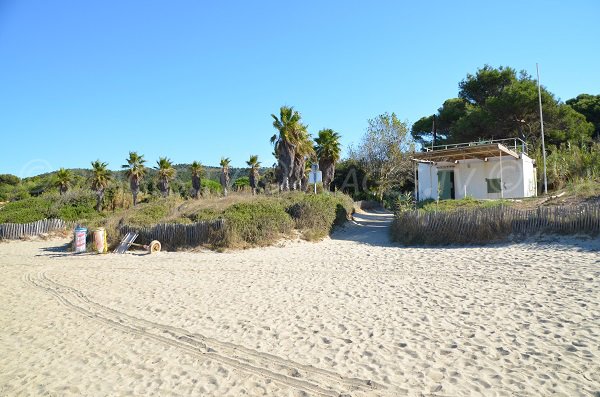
(195,80)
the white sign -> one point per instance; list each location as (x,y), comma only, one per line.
(315,177)
(314,167)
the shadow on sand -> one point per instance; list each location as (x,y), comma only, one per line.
(371,228)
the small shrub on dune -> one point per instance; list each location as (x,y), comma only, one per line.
(151,213)
(255,223)
(316,215)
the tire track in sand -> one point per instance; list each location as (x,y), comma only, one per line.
(286,372)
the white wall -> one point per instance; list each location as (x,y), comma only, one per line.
(518,177)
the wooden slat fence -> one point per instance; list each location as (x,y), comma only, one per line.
(14,231)
(484,225)
(174,235)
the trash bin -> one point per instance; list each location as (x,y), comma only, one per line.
(100,243)
(80,239)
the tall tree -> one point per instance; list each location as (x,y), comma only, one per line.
(64,178)
(135,173)
(197,171)
(487,82)
(328,150)
(304,152)
(437,129)
(289,127)
(384,152)
(224,179)
(166,173)
(101,177)
(589,106)
(497,103)
(254,175)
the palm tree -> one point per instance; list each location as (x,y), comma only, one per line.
(225,173)
(135,172)
(100,178)
(63,180)
(254,176)
(304,151)
(328,151)
(197,171)
(290,128)
(166,173)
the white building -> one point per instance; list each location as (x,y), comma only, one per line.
(482,170)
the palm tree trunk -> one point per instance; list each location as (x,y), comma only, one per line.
(328,169)
(287,153)
(99,198)
(163,186)
(224,182)
(196,185)
(253,181)
(135,188)
(298,172)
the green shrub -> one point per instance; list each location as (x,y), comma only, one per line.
(75,206)
(255,223)
(9,179)
(404,202)
(27,210)
(207,214)
(211,186)
(316,215)
(584,187)
(241,183)
(153,212)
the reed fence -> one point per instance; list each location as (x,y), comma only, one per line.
(14,231)
(174,235)
(484,225)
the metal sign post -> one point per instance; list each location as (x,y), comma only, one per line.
(315,175)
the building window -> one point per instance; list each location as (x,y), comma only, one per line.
(493,185)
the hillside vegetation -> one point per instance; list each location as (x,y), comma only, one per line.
(249,220)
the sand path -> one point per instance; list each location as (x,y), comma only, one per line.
(351,315)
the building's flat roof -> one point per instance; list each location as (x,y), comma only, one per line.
(466,152)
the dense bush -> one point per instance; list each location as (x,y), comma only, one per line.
(73,206)
(210,186)
(569,164)
(27,210)
(256,223)
(149,214)
(316,215)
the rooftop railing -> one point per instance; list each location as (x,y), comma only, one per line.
(516,144)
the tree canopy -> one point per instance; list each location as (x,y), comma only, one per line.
(497,103)
(589,106)
(384,151)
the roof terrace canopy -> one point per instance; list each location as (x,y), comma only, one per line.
(480,151)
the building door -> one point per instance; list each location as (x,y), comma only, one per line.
(446,184)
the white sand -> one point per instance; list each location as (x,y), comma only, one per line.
(353,315)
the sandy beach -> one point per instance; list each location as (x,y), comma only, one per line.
(353,315)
